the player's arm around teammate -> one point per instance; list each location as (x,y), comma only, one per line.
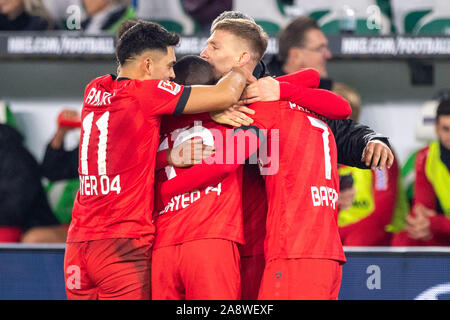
(120,131)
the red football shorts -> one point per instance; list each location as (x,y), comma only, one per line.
(252,269)
(205,269)
(301,279)
(108,269)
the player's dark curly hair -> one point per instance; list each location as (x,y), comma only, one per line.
(135,38)
(127,24)
(193,70)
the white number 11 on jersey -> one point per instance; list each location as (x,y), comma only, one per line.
(102,125)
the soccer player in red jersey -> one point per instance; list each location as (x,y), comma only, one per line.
(195,253)
(108,251)
(304,93)
(353,140)
(216,40)
(302,249)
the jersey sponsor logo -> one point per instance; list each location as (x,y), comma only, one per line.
(98,97)
(184,200)
(169,86)
(324,196)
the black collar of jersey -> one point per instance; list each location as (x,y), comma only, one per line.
(114,77)
(260,70)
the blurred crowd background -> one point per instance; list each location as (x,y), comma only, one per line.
(189,17)
(42,99)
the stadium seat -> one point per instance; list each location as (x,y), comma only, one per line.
(168,13)
(267,13)
(366,16)
(422,17)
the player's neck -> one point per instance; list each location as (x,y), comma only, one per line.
(250,66)
(130,74)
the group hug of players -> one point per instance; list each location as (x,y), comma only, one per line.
(255,217)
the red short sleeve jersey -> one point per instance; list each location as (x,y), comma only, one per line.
(214,211)
(119,138)
(302,183)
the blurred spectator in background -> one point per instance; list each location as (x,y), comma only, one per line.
(58,163)
(367,206)
(61,168)
(301,44)
(425,132)
(428,223)
(106,15)
(24,211)
(24,15)
(205,11)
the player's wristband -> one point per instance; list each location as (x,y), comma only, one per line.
(288,91)
(68,122)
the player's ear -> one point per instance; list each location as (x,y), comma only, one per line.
(244,58)
(148,66)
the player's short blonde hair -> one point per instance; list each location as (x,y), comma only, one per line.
(249,32)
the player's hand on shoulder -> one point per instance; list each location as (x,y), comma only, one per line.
(377,154)
(189,153)
(265,89)
(234,116)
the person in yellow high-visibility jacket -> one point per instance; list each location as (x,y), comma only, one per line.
(367,207)
(428,223)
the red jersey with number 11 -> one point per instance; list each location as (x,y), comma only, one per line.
(302,183)
(119,138)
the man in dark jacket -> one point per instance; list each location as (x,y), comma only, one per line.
(24,211)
